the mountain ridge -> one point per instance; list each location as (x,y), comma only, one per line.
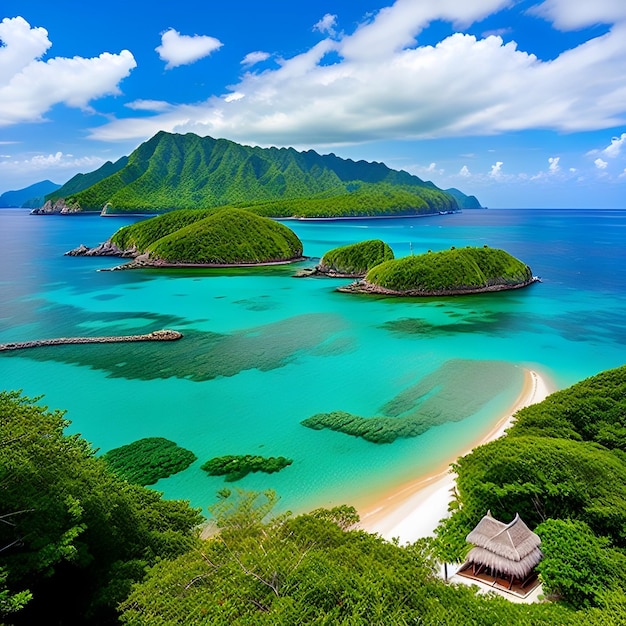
(172,171)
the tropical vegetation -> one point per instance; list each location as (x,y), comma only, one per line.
(457,269)
(357,258)
(172,171)
(147,460)
(74,536)
(562,467)
(225,236)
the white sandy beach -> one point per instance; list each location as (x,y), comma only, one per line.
(414,510)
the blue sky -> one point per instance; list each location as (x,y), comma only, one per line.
(522,103)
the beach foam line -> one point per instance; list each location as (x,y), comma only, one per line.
(415,509)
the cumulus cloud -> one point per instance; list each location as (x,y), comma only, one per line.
(615,148)
(554,164)
(177,49)
(601,164)
(496,169)
(464,171)
(252,58)
(29,86)
(385,85)
(327,25)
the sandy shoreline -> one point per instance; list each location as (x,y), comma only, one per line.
(414,509)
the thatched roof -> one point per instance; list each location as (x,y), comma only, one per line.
(512,549)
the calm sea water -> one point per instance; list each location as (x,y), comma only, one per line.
(263,351)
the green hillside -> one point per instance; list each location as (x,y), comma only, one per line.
(450,271)
(356,258)
(82,181)
(225,236)
(172,171)
(141,234)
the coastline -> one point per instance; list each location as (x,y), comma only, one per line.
(413,510)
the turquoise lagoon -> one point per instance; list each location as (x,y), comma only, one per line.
(263,351)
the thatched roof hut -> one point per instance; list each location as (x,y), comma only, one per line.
(507,550)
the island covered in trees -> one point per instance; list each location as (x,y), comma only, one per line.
(208,238)
(351,261)
(173,171)
(447,272)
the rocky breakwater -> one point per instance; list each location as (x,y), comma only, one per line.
(157,335)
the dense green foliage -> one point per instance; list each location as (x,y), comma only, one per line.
(450,270)
(80,182)
(141,234)
(74,534)
(579,566)
(361,200)
(147,460)
(310,569)
(229,236)
(356,258)
(593,410)
(213,236)
(236,466)
(552,467)
(172,171)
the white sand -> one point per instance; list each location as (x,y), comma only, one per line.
(414,510)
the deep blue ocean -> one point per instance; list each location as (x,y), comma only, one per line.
(263,351)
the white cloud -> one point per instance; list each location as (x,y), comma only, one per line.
(615,148)
(327,25)
(600,164)
(554,164)
(464,171)
(149,105)
(496,170)
(568,15)
(29,87)
(57,161)
(177,49)
(385,86)
(252,58)
(234,96)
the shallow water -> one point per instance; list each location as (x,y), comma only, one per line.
(263,351)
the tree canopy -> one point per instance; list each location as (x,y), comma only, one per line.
(74,535)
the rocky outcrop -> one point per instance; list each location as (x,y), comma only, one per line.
(157,335)
(59,207)
(365,287)
(107,248)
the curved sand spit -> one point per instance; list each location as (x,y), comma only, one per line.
(414,510)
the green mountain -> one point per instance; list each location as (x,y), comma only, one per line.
(79,182)
(464,202)
(28,197)
(227,236)
(172,171)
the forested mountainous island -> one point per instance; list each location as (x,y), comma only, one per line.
(173,171)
